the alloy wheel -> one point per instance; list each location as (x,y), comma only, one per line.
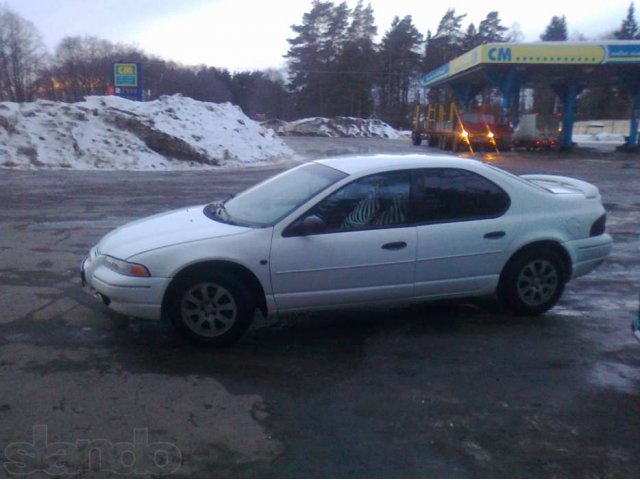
(537,282)
(209,309)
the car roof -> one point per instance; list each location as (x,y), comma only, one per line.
(356,165)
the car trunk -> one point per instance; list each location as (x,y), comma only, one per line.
(563,185)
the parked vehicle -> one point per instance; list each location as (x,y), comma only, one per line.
(537,132)
(349,232)
(447,129)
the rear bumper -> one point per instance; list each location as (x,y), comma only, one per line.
(588,253)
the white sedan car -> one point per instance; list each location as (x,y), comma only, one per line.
(349,232)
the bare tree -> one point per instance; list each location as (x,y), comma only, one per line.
(22,55)
(82,66)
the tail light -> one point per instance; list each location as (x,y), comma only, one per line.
(598,226)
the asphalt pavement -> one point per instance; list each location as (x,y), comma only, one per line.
(455,389)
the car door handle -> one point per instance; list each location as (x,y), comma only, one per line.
(494,235)
(394,246)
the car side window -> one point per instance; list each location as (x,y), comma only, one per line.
(376,201)
(454,194)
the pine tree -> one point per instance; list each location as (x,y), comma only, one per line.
(450,26)
(447,43)
(629,28)
(399,65)
(313,55)
(337,33)
(556,31)
(471,39)
(353,93)
(490,29)
(362,27)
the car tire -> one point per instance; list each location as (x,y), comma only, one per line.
(532,282)
(211,309)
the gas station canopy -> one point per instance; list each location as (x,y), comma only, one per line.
(567,68)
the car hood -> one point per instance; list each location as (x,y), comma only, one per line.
(162,230)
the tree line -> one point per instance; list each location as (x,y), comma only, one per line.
(81,66)
(335,65)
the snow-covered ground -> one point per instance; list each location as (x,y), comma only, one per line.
(602,137)
(111,133)
(334,127)
(603,141)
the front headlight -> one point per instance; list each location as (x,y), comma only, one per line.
(126,268)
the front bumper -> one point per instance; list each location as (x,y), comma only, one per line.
(132,296)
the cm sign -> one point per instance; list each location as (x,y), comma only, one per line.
(500,54)
(127,80)
(125,74)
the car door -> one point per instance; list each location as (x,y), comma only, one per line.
(464,232)
(362,251)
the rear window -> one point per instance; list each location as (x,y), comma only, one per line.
(452,195)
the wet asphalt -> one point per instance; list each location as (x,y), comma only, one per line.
(455,389)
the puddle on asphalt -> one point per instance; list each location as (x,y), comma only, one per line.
(19,338)
(567,312)
(57,333)
(617,376)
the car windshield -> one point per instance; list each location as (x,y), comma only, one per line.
(273,199)
(477,118)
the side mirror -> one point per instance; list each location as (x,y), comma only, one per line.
(308,226)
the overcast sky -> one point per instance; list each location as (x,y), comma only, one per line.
(251,34)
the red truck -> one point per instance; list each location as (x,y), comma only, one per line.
(448,129)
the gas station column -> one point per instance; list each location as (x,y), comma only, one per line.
(509,83)
(632,143)
(568,93)
(632,82)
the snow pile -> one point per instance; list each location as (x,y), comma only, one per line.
(275,124)
(172,132)
(335,127)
